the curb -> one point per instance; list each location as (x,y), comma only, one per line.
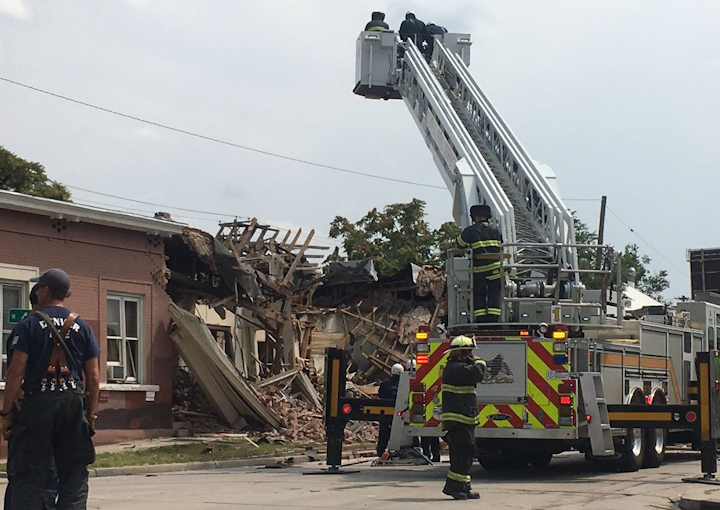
(197,466)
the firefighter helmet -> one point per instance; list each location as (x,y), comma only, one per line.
(480,211)
(396,369)
(462,342)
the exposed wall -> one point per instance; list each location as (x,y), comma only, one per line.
(102,260)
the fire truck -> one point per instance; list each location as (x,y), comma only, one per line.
(566,369)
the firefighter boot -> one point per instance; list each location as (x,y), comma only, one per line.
(470,493)
(455,493)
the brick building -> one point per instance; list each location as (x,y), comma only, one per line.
(116,263)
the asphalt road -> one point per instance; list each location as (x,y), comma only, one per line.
(568,483)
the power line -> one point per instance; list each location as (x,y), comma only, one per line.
(218,140)
(120,208)
(647,243)
(224,215)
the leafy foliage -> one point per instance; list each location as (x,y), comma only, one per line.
(652,284)
(395,236)
(22,176)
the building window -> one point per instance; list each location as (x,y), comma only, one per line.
(124,330)
(711,337)
(11,296)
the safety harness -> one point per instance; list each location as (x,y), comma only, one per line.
(58,356)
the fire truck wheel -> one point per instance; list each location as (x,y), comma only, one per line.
(541,460)
(655,439)
(632,450)
(491,463)
(517,461)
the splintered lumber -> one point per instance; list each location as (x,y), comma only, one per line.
(306,388)
(298,258)
(277,379)
(231,395)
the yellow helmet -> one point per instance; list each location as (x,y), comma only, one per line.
(462,342)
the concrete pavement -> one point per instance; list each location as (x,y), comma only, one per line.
(568,483)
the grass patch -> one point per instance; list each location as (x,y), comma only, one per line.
(183,453)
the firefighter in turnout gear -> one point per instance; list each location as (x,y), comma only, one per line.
(460,414)
(485,242)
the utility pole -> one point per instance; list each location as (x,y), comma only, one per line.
(601,230)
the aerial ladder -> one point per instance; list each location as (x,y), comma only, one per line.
(557,398)
(480,160)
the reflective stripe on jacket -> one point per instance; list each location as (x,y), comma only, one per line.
(483,240)
(459,401)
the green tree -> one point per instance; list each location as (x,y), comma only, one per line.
(18,174)
(652,284)
(395,236)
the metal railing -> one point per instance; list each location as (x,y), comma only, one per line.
(462,166)
(528,190)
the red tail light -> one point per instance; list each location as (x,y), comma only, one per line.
(418,398)
(346,408)
(422,359)
(566,400)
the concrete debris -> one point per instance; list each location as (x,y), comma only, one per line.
(431,280)
(304,422)
(411,322)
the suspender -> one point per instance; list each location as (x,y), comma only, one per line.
(58,355)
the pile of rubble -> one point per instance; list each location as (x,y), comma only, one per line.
(263,375)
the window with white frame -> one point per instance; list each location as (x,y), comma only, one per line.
(124,332)
(11,296)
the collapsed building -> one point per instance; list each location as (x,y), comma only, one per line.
(254,312)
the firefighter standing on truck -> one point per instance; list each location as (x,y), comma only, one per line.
(460,414)
(485,242)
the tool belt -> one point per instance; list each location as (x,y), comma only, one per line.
(58,358)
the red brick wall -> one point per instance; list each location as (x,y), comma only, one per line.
(100,260)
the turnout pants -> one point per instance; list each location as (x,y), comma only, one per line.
(383,437)
(461,441)
(50,425)
(486,296)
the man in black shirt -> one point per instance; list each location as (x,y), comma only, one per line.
(50,489)
(414,29)
(432,30)
(54,421)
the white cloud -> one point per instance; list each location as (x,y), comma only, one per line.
(147,133)
(18,9)
(137,4)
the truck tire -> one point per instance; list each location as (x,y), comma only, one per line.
(655,439)
(632,449)
(491,463)
(541,459)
